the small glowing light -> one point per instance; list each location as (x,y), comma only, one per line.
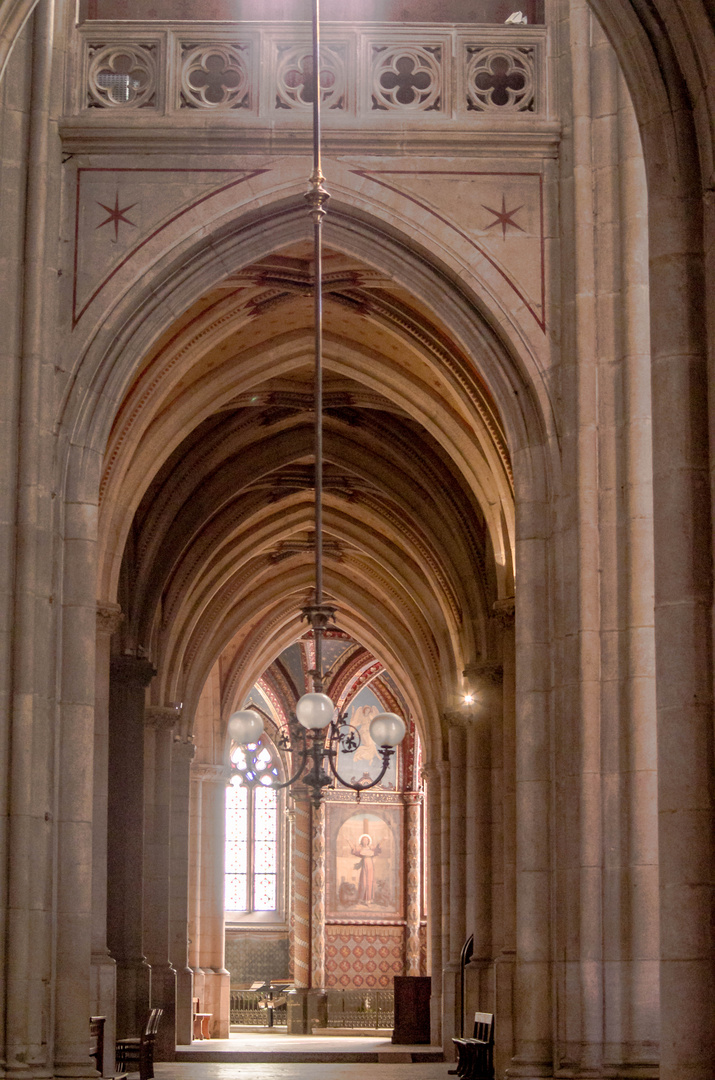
(469,699)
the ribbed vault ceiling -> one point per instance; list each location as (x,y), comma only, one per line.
(207,501)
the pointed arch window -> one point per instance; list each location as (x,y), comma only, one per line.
(252,830)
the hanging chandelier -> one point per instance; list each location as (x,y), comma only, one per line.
(315,736)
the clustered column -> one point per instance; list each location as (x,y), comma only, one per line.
(129,677)
(159,722)
(211,978)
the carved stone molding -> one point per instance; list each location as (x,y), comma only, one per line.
(412,798)
(132,670)
(503,611)
(162,717)
(210,774)
(184,750)
(429,772)
(490,674)
(109,617)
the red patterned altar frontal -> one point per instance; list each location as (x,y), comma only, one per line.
(358,957)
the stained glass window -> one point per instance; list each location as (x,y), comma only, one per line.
(252,829)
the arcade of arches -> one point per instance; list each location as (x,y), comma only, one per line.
(517,515)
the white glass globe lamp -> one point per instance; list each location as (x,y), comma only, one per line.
(314,711)
(245,726)
(387,729)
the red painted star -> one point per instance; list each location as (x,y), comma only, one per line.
(504,217)
(116,215)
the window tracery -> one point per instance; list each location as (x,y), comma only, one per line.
(252,830)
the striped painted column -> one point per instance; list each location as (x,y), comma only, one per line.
(413,830)
(317,981)
(301,892)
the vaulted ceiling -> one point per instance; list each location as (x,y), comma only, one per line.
(207,501)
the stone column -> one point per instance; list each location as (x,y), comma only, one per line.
(160,722)
(505,851)
(211,909)
(103,971)
(182,754)
(413,861)
(129,677)
(485,681)
(433,797)
(452,777)
(533,1021)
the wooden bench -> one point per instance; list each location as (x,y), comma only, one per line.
(475,1056)
(201,1021)
(138,1050)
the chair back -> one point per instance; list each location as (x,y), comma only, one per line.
(152,1024)
(484,1027)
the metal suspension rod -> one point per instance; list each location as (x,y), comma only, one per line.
(317,196)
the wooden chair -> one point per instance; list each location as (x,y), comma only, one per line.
(96,1041)
(201,1021)
(475,1056)
(139,1050)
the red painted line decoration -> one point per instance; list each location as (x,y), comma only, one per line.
(116,215)
(502,217)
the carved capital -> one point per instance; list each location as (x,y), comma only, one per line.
(412,798)
(132,670)
(478,674)
(184,750)
(457,717)
(503,611)
(210,774)
(162,717)
(109,617)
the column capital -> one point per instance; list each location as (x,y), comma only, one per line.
(109,617)
(503,611)
(136,670)
(211,774)
(412,798)
(481,672)
(184,749)
(162,717)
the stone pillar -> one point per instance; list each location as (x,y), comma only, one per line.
(211,910)
(505,898)
(452,788)
(160,722)
(103,994)
(317,928)
(413,861)
(485,682)
(129,677)
(182,754)
(433,797)
(533,1022)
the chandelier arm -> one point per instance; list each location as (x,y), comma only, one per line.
(297,774)
(386,752)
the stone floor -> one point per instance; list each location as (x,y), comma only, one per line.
(298,1071)
(324,1049)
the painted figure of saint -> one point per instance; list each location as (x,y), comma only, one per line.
(365,853)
